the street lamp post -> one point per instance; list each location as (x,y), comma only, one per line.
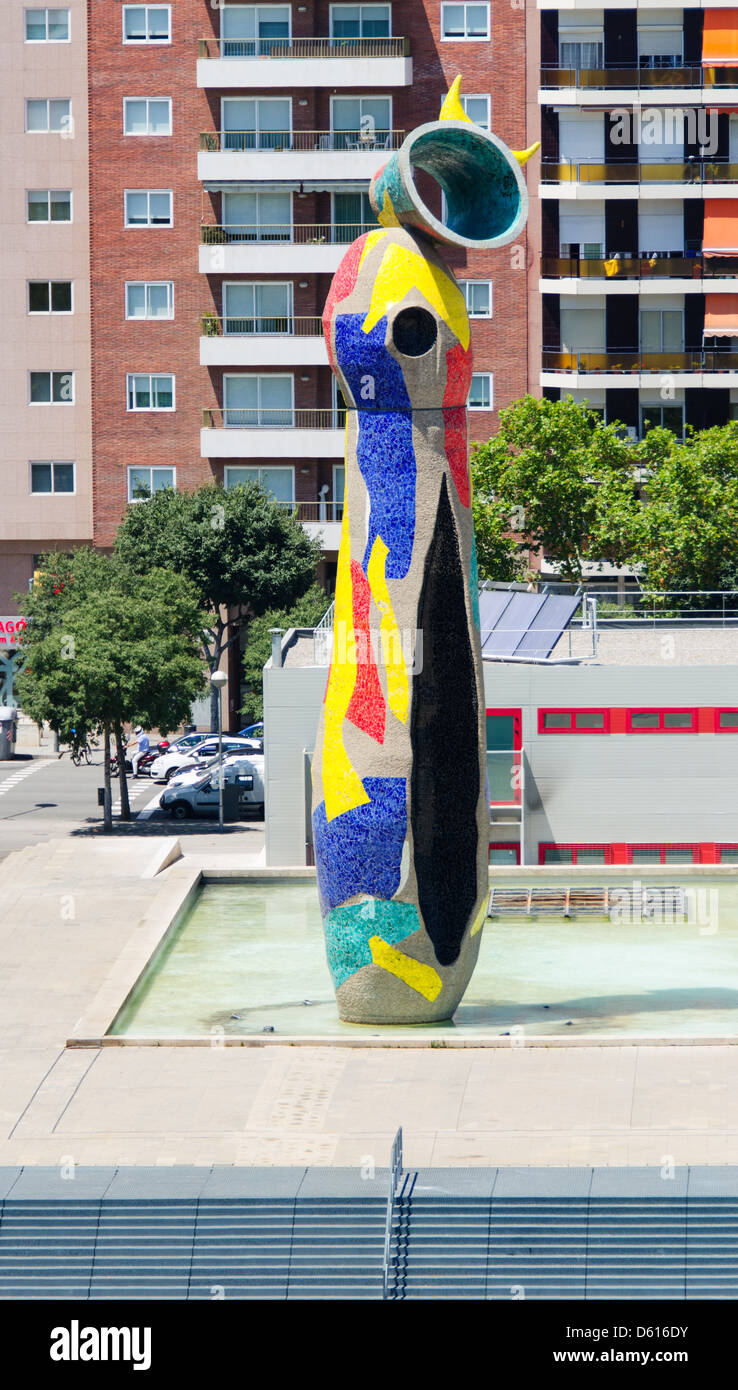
(219,679)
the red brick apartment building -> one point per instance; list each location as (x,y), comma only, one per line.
(224,154)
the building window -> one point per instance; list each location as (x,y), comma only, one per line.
(668,417)
(361,21)
(51,388)
(361,122)
(573,721)
(150,392)
(255,216)
(477,109)
(481,394)
(150,299)
(256,123)
(661,721)
(279,482)
(147,115)
(727,854)
(47,26)
(49,296)
(148,208)
(49,205)
(470,22)
(352,216)
(253,31)
(663,854)
(144,482)
(574,854)
(477,297)
(504,743)
(44,117)
(504,854)
(260,307)
(147,24)
(52,477)
(726,721)
(259,401)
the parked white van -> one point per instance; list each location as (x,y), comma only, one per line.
(200,795)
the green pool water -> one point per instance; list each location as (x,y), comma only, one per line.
(249,958)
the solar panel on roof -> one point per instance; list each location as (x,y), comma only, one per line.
(523,624)
(492,602)
(548,624)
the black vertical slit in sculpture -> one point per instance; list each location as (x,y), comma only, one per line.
(445,738)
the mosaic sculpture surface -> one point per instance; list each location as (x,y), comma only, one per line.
(400,806)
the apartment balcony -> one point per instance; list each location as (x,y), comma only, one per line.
(322,157)
(667,85)
(316,248)
(632,369)
(261,64)
(262,342)
(666,179)
(615,274)
(271,434)
(321,520)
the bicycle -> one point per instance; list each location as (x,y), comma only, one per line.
(81,752)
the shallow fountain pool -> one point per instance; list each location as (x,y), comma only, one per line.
(248,959)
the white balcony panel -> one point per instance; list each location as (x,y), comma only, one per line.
(633,98)
(635,286)
(575,5)
(263,350)
(580,381)
(580,191)
(263,74)
(327,532)
(272,444)
(271,258)
(293,166)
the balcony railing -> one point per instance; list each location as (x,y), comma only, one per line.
(705,360)
(270,141)
(685,76)
(304,48)
(271,418)
(666,171)
(291,325)
(315,511)
(302,234)
(656,267)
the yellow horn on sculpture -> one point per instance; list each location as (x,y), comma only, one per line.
(452,110)
(523,156)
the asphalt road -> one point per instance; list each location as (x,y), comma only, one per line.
(45,798)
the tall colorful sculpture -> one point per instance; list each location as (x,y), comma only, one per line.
(400,807)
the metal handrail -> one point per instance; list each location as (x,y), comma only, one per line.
(271,418)
(304,48)
(619,267)
(301,234)
(696,360)
(679,171)
(271,141)
(263,325)
(686,75)
(654,606)
(395,1173)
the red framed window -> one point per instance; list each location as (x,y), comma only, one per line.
(503,854)
(726,720)
(504,756)
(727,854)
(659,720)
(573,721)
(663,854)
(551,853)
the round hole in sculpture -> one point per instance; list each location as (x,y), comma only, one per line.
(484,194)
(414,332)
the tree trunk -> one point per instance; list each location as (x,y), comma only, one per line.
(215,657)
(108,814)
(125,805)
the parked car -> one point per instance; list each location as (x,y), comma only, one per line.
(198,793)
(174,761)
(253,731)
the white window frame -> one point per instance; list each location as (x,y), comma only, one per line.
(151,469)
(260,376)
(256,284)
(148,134)
(479,96)
(63,129)
(51,463)
(361,97)
(257,100)
(464,287)
(149,318)
(44,9)
(37,313)
(48,222)
(259,224)
(373,4)
(51,373)
(262,468)
(490,379)
(148,226)
(464,38)
(159,43)
(149,409)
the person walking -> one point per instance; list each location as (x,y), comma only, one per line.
(142,747)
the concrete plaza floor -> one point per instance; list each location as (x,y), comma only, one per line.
(71,916)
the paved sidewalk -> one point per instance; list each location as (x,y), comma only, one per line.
(69,913)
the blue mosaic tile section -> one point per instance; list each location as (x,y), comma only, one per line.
(348,929)
(474,581)
(384,449)
(361,850)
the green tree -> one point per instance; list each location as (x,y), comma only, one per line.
(559,476)
(307,612)
(102,648)
(243,552)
